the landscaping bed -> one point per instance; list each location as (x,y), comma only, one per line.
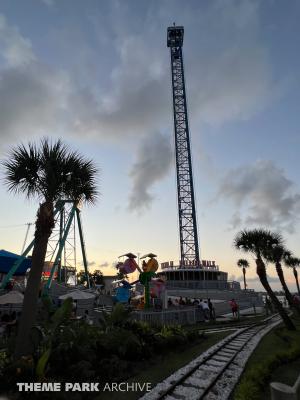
(162,366)
(276,358)
(116,351)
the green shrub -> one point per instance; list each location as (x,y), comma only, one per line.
(124,344)
(117,319)
(169,337)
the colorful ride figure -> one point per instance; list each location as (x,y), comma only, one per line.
(123,294)
(151,264)
(149,269)
(159,286)
(126,267)
(129,265)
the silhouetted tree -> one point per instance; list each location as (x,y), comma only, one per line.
(48,172)
(257,242)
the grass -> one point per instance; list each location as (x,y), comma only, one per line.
(162,366)
(276,358)
(228,323)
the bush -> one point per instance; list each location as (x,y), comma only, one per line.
(124,344)
(169,337)
(110,352)
(194,334)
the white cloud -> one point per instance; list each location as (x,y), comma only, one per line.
(104,264)
(228,70)
(152,164)
(264,194)
(228,74)
(16,50)
(32,101)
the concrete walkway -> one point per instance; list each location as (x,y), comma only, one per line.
(246,311)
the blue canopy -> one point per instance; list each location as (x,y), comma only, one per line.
(7,260)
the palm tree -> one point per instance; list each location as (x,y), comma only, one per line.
(242,263)
(257,241)
(48,171)
(294,262)
(277,255)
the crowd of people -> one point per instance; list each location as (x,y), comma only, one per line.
(206,306)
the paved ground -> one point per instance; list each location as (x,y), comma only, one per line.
(247,311)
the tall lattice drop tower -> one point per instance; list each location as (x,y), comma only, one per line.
(189,247)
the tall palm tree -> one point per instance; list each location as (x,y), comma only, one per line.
(242,263)
(257,241)
(48,171)
(278,254)
(294,262)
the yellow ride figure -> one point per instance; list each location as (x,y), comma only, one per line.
(149,269)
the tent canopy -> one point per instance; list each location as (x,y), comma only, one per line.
(12,297)
(77,295)
(7,260)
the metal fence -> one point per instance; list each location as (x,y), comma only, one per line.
(183,316)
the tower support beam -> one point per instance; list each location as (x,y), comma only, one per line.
(189,247)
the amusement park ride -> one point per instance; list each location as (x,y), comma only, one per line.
(66,214)
(189,246)
(147,275)
(190,268)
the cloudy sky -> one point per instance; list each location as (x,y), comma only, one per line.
(97,74)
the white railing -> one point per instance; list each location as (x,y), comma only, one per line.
(170,317)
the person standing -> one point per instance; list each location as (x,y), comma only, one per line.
(206,310)
(212,314)
(234,308)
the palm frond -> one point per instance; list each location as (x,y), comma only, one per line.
(242,263)
(81,183)
(51,171)
(21,170)
(256,240)
(292,262)
(275,254)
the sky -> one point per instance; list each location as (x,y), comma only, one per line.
(96,73)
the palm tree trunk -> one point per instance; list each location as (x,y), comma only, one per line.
(283,283)
(288,294)
(244,273)
(44,225)
(261,272)
(296,278)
